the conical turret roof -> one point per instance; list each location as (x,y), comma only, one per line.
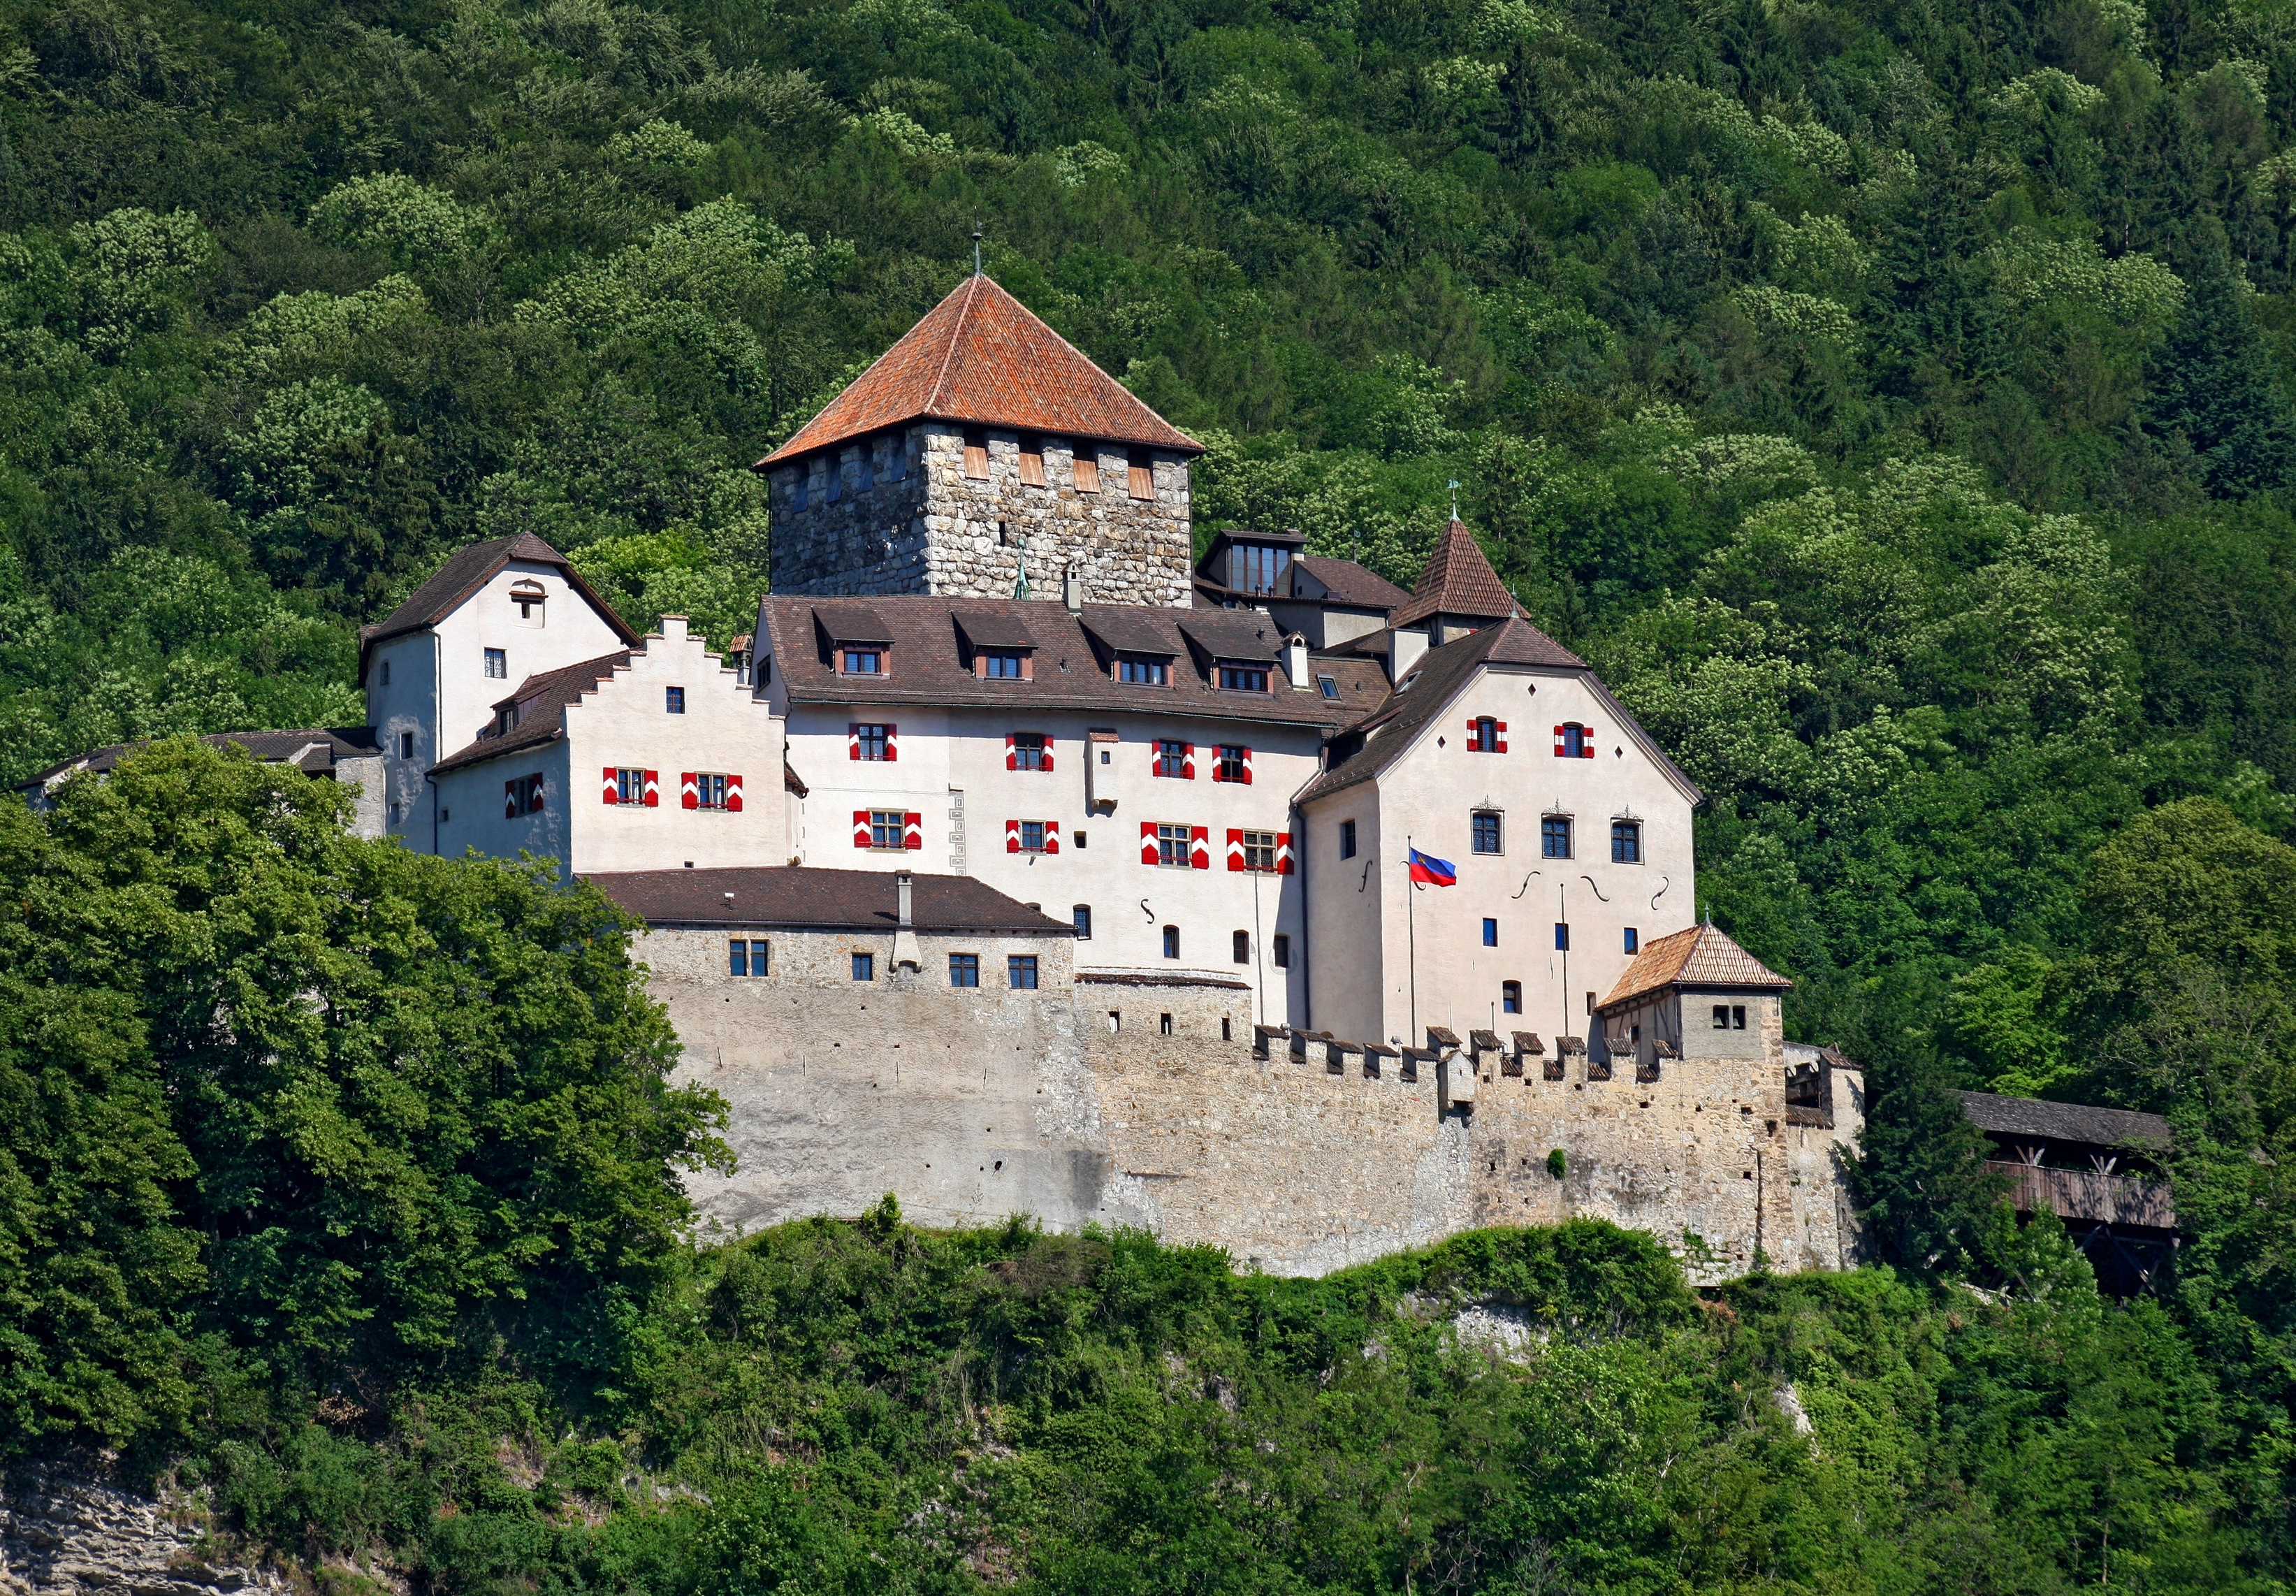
(1458,580)
(982,357)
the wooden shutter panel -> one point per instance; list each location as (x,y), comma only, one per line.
(1048,754)
(1012,756)
(689,790)
(614,786)
(1234,848)
(893,743)
(1012,836)
(733,795)
(1187,761)
(653,789)
(913,829)
(1586,742)
(510,799)
(853,741)
(860,828)
(1283,853)
(1502,730)
(1558,743)
(1147,842)
(1200,846)
(1052,837)
(1247,765)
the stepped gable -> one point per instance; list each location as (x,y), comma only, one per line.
(465,571)
(980,356)
(790,897)
(1701,956)
(1458,580)
(542,701)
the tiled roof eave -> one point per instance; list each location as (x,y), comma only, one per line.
(940,698)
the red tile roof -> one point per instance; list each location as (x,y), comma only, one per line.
(1458,581)
(1701,956)
(981,356)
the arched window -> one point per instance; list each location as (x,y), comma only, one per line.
(529,596)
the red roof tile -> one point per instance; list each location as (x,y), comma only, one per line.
(981,356)
(1458,581)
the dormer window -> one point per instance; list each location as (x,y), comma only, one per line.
(1002,665)
(861,662)
(528,597)
(1242,676)
(505,720)
(1257,569)
(1143,673)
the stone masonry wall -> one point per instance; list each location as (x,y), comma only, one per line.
(972,1106)
(937,531)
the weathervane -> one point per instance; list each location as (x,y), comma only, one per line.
(977,236)
(1454,498)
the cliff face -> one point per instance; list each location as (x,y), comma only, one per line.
(63,1534)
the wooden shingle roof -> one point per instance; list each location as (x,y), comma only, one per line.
(981,356)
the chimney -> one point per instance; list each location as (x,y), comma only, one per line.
(906,952)
(1295,662)
(1403,648)
(1073,592)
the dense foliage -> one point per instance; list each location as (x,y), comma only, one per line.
(1890,399)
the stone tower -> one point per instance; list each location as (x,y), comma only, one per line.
(982,445)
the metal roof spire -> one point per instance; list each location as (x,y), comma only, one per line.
(977,236)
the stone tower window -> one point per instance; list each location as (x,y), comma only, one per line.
(1139,473)
(976,453)
(1087,467)
(1032,460)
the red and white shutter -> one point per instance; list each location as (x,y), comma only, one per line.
(689,791)
(510,799)
(733,795)
(1048,765)
(1474,735)
(535,790)
(613,785)
(1235,847)
(1012,836)
(860,828)
(1283,853)
(853,740)
(1200,846)
(1247,766)
(1012,756)
(1558,743)
(1586,742)
(1187,762)
(1501,730)
(1052,837)
(653,789)
(913,830)
(1147,842)
(893,743)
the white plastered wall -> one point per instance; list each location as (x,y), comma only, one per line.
(1427,798)
(440,691)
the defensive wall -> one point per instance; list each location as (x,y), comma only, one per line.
(1123,1103)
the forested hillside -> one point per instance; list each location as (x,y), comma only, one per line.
(1891,399)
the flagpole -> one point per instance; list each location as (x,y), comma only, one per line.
(1411,918)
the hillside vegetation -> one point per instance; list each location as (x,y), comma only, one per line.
(1892,400)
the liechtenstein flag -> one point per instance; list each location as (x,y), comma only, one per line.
(1434,872)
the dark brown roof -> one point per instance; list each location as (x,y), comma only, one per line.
(313,752)
(541,701)
(1458,580)
(466,570)
(825,900)
(995,629)
(925,664)
(981,356)
(1701,956)
(2064,1122)
(1347,583)
(1375,741)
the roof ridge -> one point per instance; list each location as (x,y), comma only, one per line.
(949,350)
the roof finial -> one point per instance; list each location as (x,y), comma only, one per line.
(1454,498)
(977,236)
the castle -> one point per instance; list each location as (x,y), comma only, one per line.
(1019,861)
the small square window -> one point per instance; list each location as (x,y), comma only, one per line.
(1510,997)
(1027,751)
(1487,834)
(497,664)
(1737,1017)
(1032,836)
(871,739)
(1259,850)
(1279,950)
(1490,932)
(1172,849)
(864,662)
(964,969)
(673,700)
(864,967)
(1002,665)
(886,829)
(710,791)
(1171,758)
(1554,836)
(1229,762)
(1634,940)
(1081,917)
(1021,972)
(1625,842)
(1721,1016)
(1347,840)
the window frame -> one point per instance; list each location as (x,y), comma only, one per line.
(1242,676)
(1171,942)
(1490,930)
(1510,997)
(1028,751)
(864,966)
(1174,840)
(1556,837)
(1017,966)
(847,653)
(1625,840)
(965,971)
(1002,665)
(1632,940)
(709,788)
(1080,921)
(673,701)
(1175,752)
(868,735)
(1142,670)
(894,822)
(496,666)
(1347,839)
(1476,820)
(1260,851)
(1279,950)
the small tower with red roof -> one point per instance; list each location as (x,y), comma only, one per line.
(984,455)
